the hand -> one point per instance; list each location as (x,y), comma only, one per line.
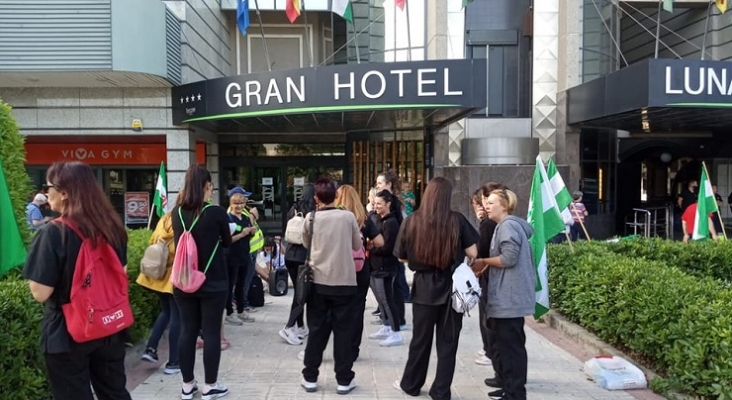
(479,266)
(686,238)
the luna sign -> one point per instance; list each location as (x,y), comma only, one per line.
(355,87)
(690,82)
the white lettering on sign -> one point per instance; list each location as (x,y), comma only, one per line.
(236,96)
(253,92)
(337,85)
(82,154)
(293,88)
(710,81)
(273,91)
(400,73)
(253,89)
(421,82)
(449,92)
(382,81)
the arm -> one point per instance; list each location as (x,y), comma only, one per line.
(508,250)
(40,292)
(712,229)
(679,201)
(306,238)
(356,241)
(390,232)
(686,231)
(224,232)
(378,241)
(472,251)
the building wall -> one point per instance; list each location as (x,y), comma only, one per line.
(206,40)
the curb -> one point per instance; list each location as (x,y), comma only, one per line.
(594,345)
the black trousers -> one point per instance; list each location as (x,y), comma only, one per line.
(100,361)
(326,314)
(358,309)
(200,310)
(427,320)
(488,337)
(295,311)
(513,360)
(237,272)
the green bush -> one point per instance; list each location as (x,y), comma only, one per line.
(12,152)
(680,325)
(145,304)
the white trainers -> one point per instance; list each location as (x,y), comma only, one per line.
(290,336)
(395,339)
(480,352)
(345,389)
(398,385)
(232,320)
(383,333)
(302,332)
(483,360)
(245,317)
(215,391)
(404,327)
(301,355)
(188,390)
(309,386)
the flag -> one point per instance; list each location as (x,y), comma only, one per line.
(400,4)
(668,5)
(561,194)
(466,2)
(343,8)
(242,15)
(292,9)
(547,223)
(161,192)
(12,248)
(722,5)
(705,205)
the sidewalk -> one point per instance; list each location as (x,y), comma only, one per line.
(260,365)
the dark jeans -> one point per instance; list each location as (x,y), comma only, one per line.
(295,311)
(401,281)
(488,337)
(401,293)
(511,347)
(448,324)
(100,361)
(326,314)
(358,309)
(248,276)
(383,289)
(200,310)
(576,232)
(237,274)
(169,314)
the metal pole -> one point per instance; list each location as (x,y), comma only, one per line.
(307,32)
(355,42)
(409,32)
(264,40)
(658,27)
(706,30)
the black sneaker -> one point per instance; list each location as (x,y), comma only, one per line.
(496,394)
(150,355)
(493,382)
(217,391)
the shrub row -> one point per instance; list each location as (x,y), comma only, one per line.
(24,373)
(679,324)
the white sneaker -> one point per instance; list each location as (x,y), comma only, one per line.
(245,317)
(301,355)
(377,321)
(395,339)
(383,333)
(398,385)
(302,332)
(309,386)
(480,352)
(232,320)
(483,360)
(215,391)
(404,327)
(290,336)
(188,394)
(345,389)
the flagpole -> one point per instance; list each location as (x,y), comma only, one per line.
(409,33)
(307,33)
(719,215)
(706,32)
(264,40)
(149,217)
(355,42)
(658,27)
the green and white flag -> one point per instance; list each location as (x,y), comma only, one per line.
(544,217)
(561,194)
(668,5)
(161,192)
(12,247)
(343,8)
(705,205)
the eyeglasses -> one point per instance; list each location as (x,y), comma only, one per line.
(46,186)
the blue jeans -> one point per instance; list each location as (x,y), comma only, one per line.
(248,276)
(169,314)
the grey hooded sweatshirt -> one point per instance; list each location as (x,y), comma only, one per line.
(511,289)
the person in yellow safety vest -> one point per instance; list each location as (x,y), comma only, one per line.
(250,271)
(257,241)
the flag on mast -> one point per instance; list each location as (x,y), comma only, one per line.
(706,204)
(544,217)
(12,247)
(161,192)
(242,15)
(466,2)
(343,8)
(721,5)
(561,194)
(400,4)
(292,9)
(668,5)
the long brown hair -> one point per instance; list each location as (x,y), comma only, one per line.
(86,204)
(432,231)
(194,189)
(348,198)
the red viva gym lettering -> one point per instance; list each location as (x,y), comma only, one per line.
(82,154)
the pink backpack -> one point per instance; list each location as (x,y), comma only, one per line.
(359,257)
(185,275)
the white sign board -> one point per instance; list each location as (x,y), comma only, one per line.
(300,181)
(267,181)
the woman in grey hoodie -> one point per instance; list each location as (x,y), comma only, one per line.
(511,291)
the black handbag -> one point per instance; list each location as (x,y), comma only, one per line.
(304,283)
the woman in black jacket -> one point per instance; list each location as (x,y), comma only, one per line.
(294,257)
(384,267)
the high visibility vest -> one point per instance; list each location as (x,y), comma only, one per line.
(257,240)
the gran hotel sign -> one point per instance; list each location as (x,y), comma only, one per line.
(335,88)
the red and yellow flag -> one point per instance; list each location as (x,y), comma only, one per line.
(722,5)
(292,9)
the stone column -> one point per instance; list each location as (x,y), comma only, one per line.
(545,73)
(212,163)
(436,29)
(181,149)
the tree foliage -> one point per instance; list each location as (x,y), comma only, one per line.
(12,153)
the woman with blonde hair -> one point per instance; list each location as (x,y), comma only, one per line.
(348,198)
(237,257)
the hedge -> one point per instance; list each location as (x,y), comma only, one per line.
(679,324)
(12,152)
(22,366)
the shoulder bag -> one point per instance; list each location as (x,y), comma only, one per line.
(304,283)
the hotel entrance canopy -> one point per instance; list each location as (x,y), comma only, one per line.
(656,95)
(335,98)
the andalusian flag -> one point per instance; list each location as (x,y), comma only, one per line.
(706,204)
(292,9)
(466,2)
(668,5)
(722,5)
(343,8)
(561,194)
(161,192)
(12,248)
(547,223)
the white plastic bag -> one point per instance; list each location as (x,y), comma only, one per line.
(615,373)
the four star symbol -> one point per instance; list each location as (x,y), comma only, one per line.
(191,98)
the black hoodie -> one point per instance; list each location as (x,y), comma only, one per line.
(383,262)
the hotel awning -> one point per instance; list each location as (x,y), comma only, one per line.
(656,95)
(335,98)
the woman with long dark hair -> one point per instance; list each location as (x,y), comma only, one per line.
(202,309)
(74,193)
(433,240)
(294,257)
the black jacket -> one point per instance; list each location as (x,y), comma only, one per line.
(383,261)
